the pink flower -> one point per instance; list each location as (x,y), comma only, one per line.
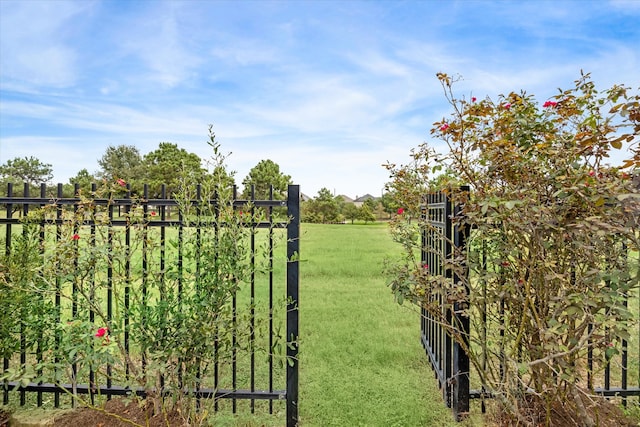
(76,236)
(507,105)
(426,266)
(592,173)
(121,182)
(473,99)
(400,211)
(444,127)
(549,104)
(101,332)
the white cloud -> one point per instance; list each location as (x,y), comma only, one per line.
(156,37)
(35,43)
(631,6)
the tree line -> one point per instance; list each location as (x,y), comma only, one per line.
(326,208)
(163,168)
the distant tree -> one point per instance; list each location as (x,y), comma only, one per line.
(389,203)
(26,170)
(324,208)
(308,213)
(221,176)
(366,214)
(351,211)
(445,179)
(264,175)
(168,165)
(84,180)
(121,162)
(340,203)
(371,203)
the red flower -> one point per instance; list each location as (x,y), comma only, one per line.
(121,182)
(153,213)
(549,104)
(101,332)
(473,99)
(507,105)
(400,211)
(76,236)
(426,266)
(505,263)
(444,127)
(592,173)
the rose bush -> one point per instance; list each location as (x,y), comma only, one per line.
(549,255)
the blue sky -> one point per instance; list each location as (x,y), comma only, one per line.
(329,90)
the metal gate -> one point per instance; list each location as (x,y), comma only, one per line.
(441,240)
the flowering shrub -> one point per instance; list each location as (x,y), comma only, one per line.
(552,224)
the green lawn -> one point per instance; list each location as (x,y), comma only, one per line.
(361,358)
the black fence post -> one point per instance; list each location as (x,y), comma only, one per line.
(460,311)
(293,251)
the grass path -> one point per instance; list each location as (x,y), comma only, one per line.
(361,362)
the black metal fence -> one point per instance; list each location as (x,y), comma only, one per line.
(443,242)
(258,376)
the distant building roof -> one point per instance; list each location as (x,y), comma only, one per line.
(346,199)
(365,198)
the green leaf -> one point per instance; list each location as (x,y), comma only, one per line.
(523,368)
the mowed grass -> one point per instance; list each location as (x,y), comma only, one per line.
(361,361)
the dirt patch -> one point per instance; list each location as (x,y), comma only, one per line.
(119,413)
(4,418)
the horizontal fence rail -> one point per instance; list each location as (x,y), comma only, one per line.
(443,241)
(148,254)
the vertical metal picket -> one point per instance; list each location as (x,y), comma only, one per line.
(293,251)
(7,248)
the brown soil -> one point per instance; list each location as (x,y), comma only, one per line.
(118,413)
(4,418)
